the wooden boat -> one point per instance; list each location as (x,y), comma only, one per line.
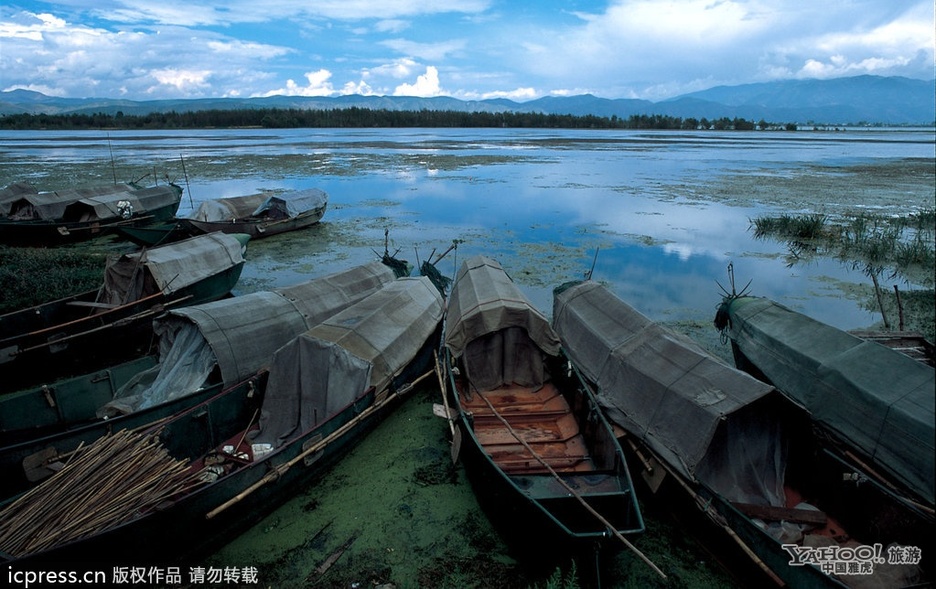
(260,215)
(874,403)
(24,202)
(714,441)
(541,456)
(226,467)
(155,234)
(203,349)
(47,219)
(99,328)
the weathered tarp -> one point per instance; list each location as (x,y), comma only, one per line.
(291,204)
(874,399)
(13,192)
(122,205)
(169,268)
(710,422)
(50,206)
(263,205)
(323,370)
(238,336)
(228,209)
(492,323)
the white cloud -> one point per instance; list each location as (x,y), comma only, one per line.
(361,88)
(318,85)
(426,85)
(185,81)
(399,69)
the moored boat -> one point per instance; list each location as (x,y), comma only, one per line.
(202,349)
(323,391)
(99,328)
(874,404)
(718,442)
(259,215)
(154,234)
(48,219)
(540,454)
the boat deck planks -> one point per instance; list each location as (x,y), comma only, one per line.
(541,417)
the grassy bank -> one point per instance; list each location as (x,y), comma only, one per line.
(29,276)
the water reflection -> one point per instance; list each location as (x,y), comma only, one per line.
(668,211)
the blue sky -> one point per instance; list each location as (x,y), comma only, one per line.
(468,49)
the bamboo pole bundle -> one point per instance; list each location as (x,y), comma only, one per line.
(108,483)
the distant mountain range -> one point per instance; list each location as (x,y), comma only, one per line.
(856,100)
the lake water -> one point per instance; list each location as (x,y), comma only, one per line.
(667,213)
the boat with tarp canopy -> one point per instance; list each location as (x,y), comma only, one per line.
(236,337)
(875,402)
(541,456)
(259,215)
(23,202)
(47,219)
(731,446)
(324,391)
(102,327)
(201,351)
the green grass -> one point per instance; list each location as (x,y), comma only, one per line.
(787,226)
(29,276)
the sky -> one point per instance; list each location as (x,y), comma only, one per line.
(467,49)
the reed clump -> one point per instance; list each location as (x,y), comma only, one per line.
(893,246)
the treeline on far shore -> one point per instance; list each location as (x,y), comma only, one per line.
(355,117)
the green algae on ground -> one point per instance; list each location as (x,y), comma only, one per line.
(395,508)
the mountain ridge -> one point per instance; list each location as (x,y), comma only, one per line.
(874,100)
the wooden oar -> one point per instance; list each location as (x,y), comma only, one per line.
(278,471)
(572,491)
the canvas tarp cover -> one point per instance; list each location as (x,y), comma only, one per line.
(228,209)
(877,400)
(13,192)
(319,373)
(170,268)
(707,420)
(50,206)
(122,205)
(239,335)
(291,204)
(493,325)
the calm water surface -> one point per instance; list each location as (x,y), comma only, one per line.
(667,210)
